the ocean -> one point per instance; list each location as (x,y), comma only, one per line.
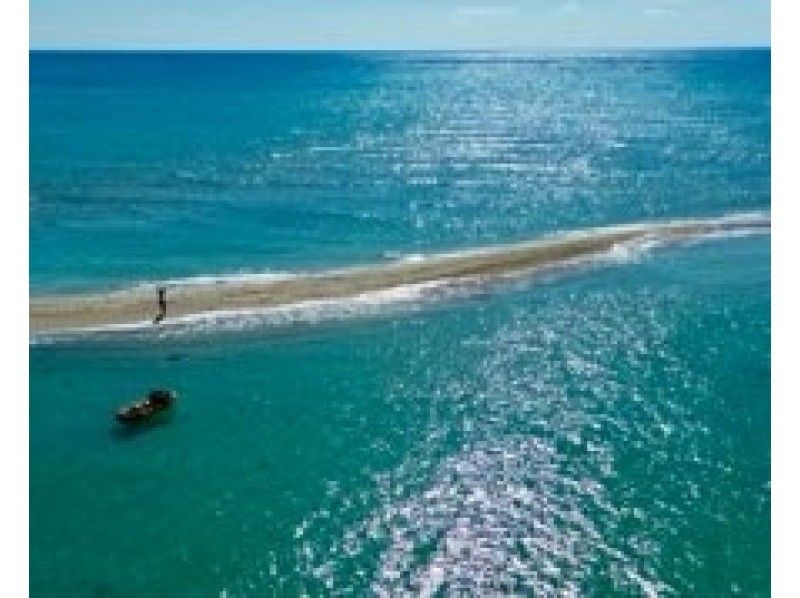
(598,428)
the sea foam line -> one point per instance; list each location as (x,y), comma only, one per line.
(248,300)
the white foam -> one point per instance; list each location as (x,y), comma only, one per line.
(408,258)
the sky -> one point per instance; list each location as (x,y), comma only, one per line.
(397,24)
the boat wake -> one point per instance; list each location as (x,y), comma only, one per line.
(248,301)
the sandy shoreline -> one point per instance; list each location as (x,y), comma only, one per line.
(62,312)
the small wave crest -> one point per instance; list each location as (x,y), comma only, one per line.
(212,279)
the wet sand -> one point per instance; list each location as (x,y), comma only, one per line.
(61,312)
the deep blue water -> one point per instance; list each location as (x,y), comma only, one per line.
(602,430)
(188,164)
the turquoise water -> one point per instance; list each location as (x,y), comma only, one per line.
(197,164)
(602,429)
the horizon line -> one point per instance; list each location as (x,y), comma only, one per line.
(276,50)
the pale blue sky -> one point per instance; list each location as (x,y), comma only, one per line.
(397,24)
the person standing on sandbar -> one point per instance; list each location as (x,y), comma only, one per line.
(161,293)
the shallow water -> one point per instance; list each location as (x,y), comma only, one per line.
(600,430)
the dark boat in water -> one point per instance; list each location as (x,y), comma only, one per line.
(146,410)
